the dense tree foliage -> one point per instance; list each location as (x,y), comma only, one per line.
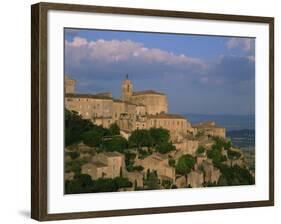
(140,138)
(200,150)
(116,143)
(92,138)
(151,181)
(216,155)
(75,126)
(114,129)
(235,175)
(221,143)
(79,130)
(167,184)
(73,166)
(165,147)
(158,138)
(130,160)
(184,165)
(83,183)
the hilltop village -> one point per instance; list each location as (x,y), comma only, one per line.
(134,143)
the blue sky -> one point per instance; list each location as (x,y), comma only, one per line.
(200,74)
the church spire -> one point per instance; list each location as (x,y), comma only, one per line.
(127,89)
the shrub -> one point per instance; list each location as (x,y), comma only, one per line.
(200,150)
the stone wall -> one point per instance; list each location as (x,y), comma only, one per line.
(154,103)
(195,178)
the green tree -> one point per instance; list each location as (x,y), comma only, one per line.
(110,185)
(92,138)
(235,175)
(151,180)
(200,150)
(122,182)
(227,145)
(74,166)
(75,126)
(167,184)
(165,147)
(219,143)
(114,129)
(116,143)
(184,165)
(82,183)
(216,155)
(130,160)
(139,138)
(232,155)
(159,135)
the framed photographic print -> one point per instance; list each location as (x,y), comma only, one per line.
(139,111)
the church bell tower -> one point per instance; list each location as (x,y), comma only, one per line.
(127,89)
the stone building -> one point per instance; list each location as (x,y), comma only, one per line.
(136,178)
(159,163)
(135,110)
(176,124)
(194,179)
(95,169)
(107,164)
(69,85)
(210,128)
(155,102)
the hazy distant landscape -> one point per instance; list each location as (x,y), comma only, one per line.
(230,122)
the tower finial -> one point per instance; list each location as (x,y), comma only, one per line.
(127,76)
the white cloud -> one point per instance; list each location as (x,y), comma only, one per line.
(125,50)
(246,44)
(78,42)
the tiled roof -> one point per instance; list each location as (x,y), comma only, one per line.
(92,96)
(145,92)
(127,102)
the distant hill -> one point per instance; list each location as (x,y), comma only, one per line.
(242,138)
(230,122)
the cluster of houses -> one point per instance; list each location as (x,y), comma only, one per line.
(143,110)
